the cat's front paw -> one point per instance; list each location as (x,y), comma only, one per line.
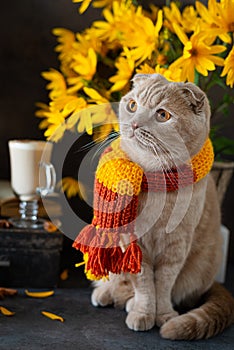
(130,305)
(101,297)
(139,321)
(163,318)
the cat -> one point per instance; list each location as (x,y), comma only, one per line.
(161,124)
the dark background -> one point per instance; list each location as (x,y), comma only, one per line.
(26,50)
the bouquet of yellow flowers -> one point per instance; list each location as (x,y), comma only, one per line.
(194,43)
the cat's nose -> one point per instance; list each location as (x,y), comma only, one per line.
(135,126)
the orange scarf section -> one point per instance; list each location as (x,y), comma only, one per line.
(109,243)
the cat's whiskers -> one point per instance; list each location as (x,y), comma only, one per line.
(104,143)
(98,140)
(87,146)
(170,164)
(163,156)
(174,160)
(158,147)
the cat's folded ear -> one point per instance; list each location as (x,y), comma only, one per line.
(194,94)
(139,78)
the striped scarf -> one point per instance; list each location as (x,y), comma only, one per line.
(109,243)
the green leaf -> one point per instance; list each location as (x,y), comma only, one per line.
(222,145)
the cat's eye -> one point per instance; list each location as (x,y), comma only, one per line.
(132,106)
(162,115)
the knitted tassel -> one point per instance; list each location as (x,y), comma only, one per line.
(103,258)
(132,259)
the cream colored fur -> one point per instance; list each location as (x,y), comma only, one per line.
(179,265)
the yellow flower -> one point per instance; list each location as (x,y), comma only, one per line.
(91,114)
(57,83)
(62,104)
(229,68)
(86,40)
(125,66)
(102,113)
(144,40)
(85,66)
(85,122)
(189,19)
(43,113)
(54,122)
(40,113)
(168,73)
(75,83)
(196,55)
(153,14)
(219,18)
(105,119)
(145,69)
(56,126)
(56,113)
(66,39)
(66,49)
(72,187)
(172,16)
(118,23)
(75,107)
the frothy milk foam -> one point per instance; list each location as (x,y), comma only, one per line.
(25,157)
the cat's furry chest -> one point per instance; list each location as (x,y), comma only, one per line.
(156,211)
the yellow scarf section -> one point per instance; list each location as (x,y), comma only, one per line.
(201,165)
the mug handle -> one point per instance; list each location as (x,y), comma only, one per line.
(50,176)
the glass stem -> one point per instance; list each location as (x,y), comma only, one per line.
(28,210)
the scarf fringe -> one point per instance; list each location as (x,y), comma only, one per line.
(102,258)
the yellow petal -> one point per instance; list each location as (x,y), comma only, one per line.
(159,22)
(80,264)
(219,61)
(52,316)
(180,33)
(6,312)
(72,120)
(226,38)
(92,93)
(81,125)
(119,85)
(50,226)
(88,124)
(64,275)
(92,56)
(39,294)
(203,11)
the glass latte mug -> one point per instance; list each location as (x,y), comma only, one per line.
(32,176)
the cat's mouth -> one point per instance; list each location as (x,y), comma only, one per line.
(149,142)
(145,139)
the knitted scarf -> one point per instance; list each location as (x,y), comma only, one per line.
(109,243)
